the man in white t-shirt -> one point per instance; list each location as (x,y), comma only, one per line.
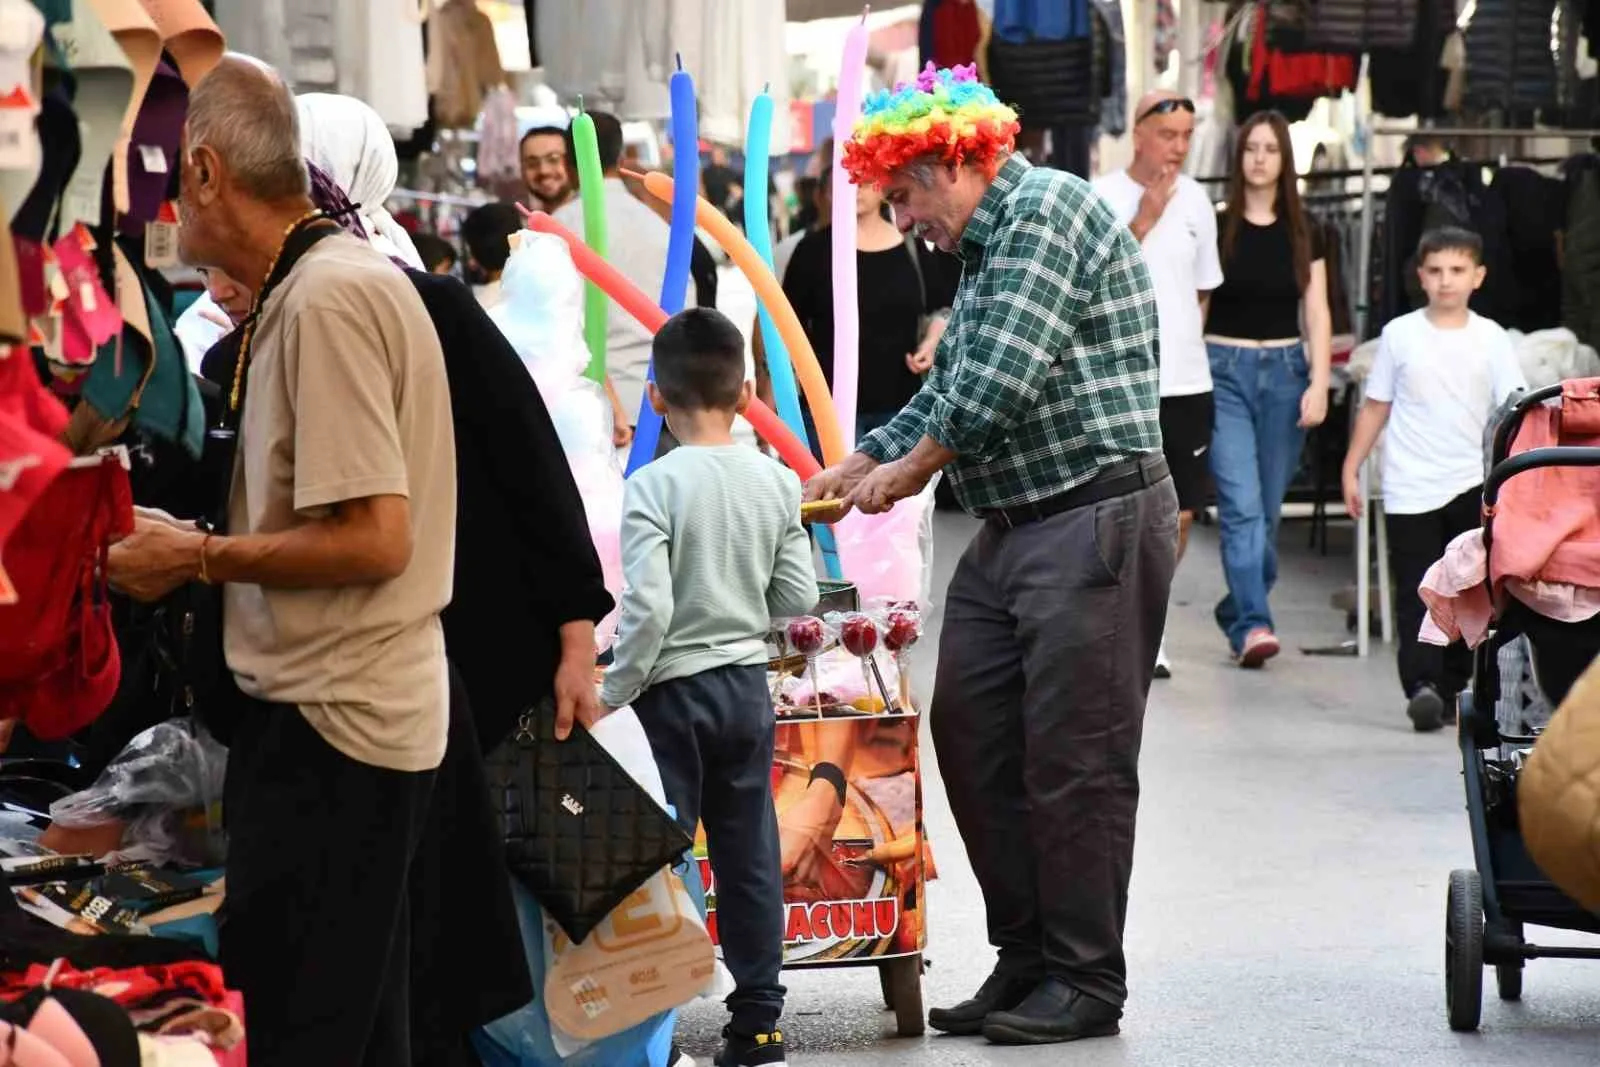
(1176,224)
(1439,374)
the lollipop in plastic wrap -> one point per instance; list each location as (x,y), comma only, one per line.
(902,628)
(808,635)
(858,633)
(542,317)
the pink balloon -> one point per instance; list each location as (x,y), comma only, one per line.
(846,312)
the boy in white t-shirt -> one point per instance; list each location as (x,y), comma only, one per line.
(1439,375)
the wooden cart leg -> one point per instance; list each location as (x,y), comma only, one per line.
(886,985)
(903,987)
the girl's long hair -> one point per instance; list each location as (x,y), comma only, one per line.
(1286,203)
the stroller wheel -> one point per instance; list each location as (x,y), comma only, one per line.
(1508,979)
(1463,950)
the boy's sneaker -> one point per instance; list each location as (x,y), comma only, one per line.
(758,1050)
(1425,709)
(1163,665)
(679,1058)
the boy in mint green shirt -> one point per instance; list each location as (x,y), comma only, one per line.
(712,551)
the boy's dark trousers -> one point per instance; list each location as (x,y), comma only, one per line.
(1416,542)
(712,736)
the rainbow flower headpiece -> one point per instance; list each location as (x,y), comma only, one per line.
(947,113)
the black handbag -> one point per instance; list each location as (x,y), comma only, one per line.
(580,834)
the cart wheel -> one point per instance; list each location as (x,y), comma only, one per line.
(902,979)
(1463,950)
(1508,977)
(885,983)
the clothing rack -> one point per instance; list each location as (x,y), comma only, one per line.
(1372,514)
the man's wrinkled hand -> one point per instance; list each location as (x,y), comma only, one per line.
(884,487)
(154,560)
(837,483)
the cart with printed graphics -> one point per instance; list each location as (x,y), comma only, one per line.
(854,892)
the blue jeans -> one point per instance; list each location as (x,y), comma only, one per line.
(1255,451)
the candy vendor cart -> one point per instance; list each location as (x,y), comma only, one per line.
(855,898)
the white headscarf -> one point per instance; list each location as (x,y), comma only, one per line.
(350,143)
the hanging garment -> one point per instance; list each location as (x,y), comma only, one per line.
(1580,278)
(1021,21)
(188,34)
(22,156)
(955,33)
(378,57)
(59,136)
(62,665)
(105,81)
(1535,207)
(1412,80)
(1361,25)
(463,63)
(1107,16)
(151,156)
(1165,40)
(1510,66)
(1050,83)
(1425,198)
(1297,75)
(31,456)
(498,159)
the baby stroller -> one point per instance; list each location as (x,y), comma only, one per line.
(1523,669)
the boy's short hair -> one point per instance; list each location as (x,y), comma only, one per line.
(434,250)
(1450,239)
(485,231)
(699,361)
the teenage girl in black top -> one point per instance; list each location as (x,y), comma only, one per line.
(1270,385)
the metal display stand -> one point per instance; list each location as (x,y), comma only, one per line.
(1372,513)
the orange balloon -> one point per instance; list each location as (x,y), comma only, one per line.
(801,354)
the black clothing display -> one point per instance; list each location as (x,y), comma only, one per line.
(891,305)
(1426,198)
(1408,80)
(1510,65)
(1259,298)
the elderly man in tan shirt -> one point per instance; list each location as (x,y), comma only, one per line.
(337,560)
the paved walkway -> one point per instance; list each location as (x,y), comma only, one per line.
(1295,838)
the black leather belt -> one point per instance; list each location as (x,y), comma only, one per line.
(1120,480)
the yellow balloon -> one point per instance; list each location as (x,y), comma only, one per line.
(801,354)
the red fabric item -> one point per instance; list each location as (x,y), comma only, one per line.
(1547,521)
(30,276)
(62,667)
(1295,75)
(956,33)
(30,456)
(130,987)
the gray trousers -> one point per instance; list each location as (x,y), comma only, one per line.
(1050,638)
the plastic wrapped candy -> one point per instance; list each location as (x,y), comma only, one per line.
(859,635)
(809,635)
(542,317)
(902,628)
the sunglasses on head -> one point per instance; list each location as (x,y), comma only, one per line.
(1167,107)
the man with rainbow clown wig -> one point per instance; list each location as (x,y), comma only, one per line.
(1042,408)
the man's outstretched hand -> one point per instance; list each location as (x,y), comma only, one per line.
(838,483)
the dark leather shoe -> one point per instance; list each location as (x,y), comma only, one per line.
(1053,1012)
(999,993)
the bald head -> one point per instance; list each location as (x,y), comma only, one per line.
(1151,99)
(1162,129)
(244,114)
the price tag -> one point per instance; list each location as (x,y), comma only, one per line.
(160,245)
(154,159)
(58,286)
(86,298)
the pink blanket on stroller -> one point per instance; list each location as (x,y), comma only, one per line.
(1546,546)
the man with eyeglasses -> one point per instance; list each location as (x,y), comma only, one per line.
(544,168)
(1176,224)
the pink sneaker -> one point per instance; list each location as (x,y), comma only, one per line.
(1259,646)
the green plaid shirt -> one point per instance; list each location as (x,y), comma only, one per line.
(1047,372)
